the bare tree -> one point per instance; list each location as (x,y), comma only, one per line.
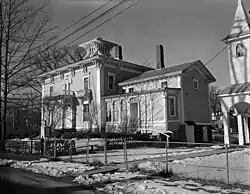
(24,27)
(57,114)
(215,101)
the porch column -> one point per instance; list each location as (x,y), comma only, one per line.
(165,105)
(139,113)
(246,129)
(225,120)
(99,90)
(240,130)
(120,111)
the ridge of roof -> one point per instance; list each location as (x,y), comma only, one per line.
(158,72)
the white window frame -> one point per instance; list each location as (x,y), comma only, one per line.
(163,81)
(175,108)
(113,75)
(131,88)
(83,78)
(49,86)
(197,82)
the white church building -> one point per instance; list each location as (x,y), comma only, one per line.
(235,98)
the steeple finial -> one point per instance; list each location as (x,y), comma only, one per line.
(240,2)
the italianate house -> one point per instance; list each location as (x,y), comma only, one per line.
(103,91)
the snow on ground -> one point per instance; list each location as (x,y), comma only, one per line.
(103,178)
(166,186)
(57,169)
(214,167)
(4,162)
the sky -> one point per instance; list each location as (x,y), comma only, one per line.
(188,29)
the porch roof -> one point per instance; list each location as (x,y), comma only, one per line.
(235,89)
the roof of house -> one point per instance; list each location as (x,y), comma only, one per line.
(236,88)
(167,71)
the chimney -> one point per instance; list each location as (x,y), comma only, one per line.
(118,52)
(159,57)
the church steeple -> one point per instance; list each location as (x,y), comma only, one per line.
(238,42)
(241,20)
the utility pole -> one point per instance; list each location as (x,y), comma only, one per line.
(1,40)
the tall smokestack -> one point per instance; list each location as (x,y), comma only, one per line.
(118,52)
(159,57)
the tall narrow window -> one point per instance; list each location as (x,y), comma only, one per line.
(86,83)
(108,111)
(195,84)
(111,81)
(85,112)
(124,110)
(172,106)
(116,110)
(67,88)
(50,90)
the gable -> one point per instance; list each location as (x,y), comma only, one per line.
(201,68)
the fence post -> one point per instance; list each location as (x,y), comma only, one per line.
(227,164)
(44,147)
(166,146)
(105,151)
(54,148)
(31,145)
(125,152)
(87,150)
(70,150)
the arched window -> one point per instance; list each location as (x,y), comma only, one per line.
(240,50)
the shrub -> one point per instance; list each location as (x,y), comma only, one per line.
(164,174)
(96,162)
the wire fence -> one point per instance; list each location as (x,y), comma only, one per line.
(217,162)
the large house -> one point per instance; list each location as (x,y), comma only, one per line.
(105,91)
(235,97)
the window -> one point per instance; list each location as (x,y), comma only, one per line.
(172,106)
(50,90)
(164,84)
(111,81)
(195,84)
(67,88)
(124,110)
(123,91)
(240,50)
(108,111)
(86,83)
(130,90)
(116,111)
(85,112)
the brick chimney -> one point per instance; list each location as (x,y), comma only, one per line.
(118,52)
(159,57)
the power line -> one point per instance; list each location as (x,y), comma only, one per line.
(85,25)
(225,46)
(81,19)
(104,22)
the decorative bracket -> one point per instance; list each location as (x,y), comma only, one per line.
(72,71)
